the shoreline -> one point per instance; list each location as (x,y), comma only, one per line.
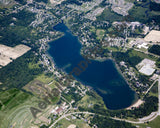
(121,73)
(136,99)
(96,59)
(135,105)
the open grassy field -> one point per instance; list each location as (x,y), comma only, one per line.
(152,124)
(142,55)
(45,79)
(100,33)
(86,101)
(64,123)
(15,110)
(108,15)
(15,106)
(9,53)
(154,90)
(41,85)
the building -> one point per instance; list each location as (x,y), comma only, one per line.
(146,67)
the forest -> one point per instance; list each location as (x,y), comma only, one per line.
(13,29)
(150,105)
(105,122)
(155,49)
(21,71)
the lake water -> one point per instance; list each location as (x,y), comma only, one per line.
(102,76)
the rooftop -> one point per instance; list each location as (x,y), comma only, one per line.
(146,67)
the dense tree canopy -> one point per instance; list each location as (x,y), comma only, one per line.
(155,49)
(21,71)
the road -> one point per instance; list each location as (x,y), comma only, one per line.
(63,116)
(150,87)
(148,53)
(149,118)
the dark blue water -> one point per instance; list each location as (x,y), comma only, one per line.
(102,76)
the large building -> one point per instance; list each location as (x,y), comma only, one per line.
(146,67)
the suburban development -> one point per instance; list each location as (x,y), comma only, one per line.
(41,89)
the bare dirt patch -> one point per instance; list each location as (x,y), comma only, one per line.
(7,54)
(72,126)
(136,105)
(153,36)
(4,60)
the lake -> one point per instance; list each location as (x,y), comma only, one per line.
(103,77)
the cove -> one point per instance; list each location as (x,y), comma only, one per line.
(103,77)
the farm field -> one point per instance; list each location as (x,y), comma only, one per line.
(15,104)
(15,108)
(65,123)
(10,53)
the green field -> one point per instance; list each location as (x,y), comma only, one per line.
(108,15)
(153,124)
(64,123)
(86,101)
(15,110)
(15,104)
(100,33)
(132,57)
(154,90)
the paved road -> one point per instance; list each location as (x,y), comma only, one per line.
(148,53)
(63,116)
(149,118)
(150,87)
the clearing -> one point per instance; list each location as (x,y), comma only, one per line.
(7,54)
(153,36)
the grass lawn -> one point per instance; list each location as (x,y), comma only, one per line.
(114,49)
(86,100)
(153,124)
(142,55)
(45,79)
(100,33)
(64,123)
(16,110)
(108,15)
(154,90)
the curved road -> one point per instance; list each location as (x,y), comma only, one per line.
(70,115)
(149,118)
